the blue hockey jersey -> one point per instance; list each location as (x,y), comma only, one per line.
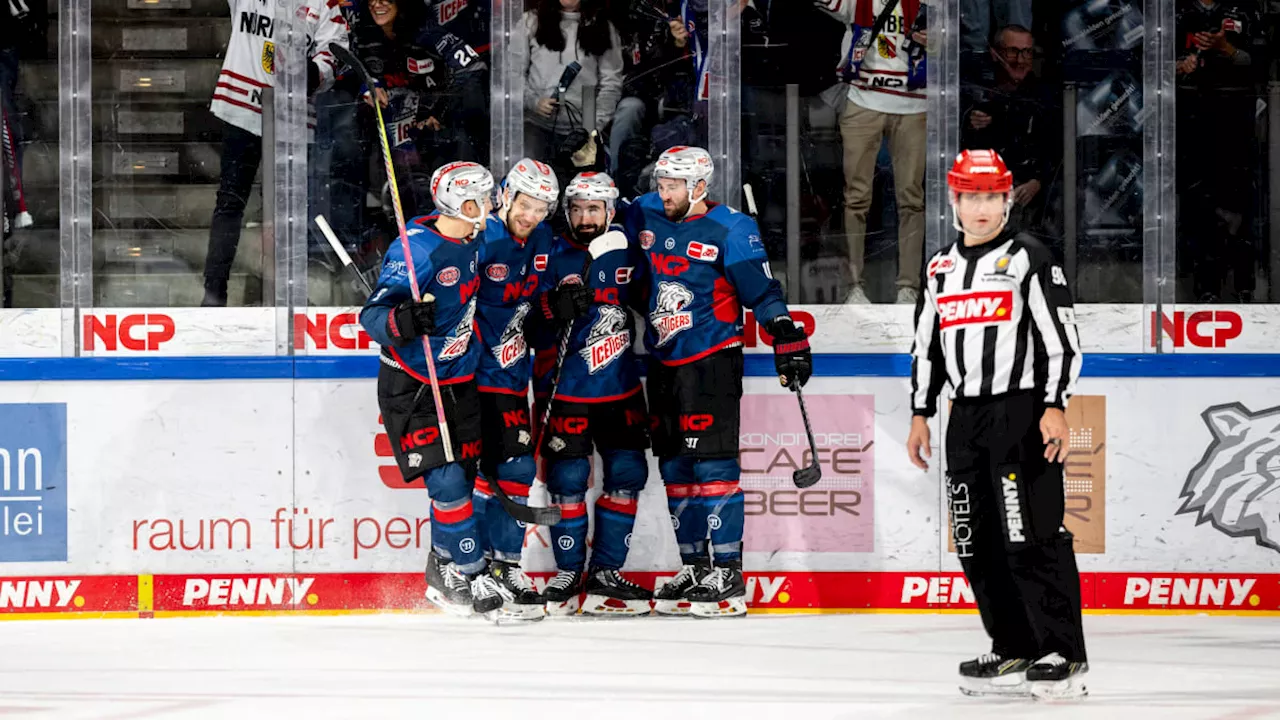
(509,272)
(702,271)
(446,268)
(599,364)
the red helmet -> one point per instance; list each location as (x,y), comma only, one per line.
(980,171)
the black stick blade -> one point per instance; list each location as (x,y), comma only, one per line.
(346,57)
(807,477)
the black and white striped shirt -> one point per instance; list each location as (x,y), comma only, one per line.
(992,319)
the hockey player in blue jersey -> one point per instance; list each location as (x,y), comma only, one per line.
(444,251)
(706,262)
(598,406)
(514,251)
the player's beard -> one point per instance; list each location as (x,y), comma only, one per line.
(679,211)
(584,234)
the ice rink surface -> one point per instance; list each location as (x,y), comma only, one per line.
(781,667)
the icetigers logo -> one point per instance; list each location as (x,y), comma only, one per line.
(456,345)
(668,316)
(511,346)
(607,340)
(1235,486)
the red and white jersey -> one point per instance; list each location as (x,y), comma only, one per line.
(250,64)
(882,80)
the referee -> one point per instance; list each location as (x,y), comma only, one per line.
(996,321)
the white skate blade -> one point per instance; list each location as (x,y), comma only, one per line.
(732,607)
(1011,685)
(437,599)
(601,606)
(1073,688)
(672,608)
(521,613)
(567,608)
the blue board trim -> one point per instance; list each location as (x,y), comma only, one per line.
(357,367)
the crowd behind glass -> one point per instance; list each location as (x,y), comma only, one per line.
(609,84)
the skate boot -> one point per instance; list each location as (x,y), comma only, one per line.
(609,593)
(991,674)
(670,599)
(563,595)
(722,593)
(519,600)
(447,588)
(486,595)
(1053,678)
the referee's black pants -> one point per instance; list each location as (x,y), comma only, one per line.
(1007,504)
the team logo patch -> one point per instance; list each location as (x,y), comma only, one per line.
(975,308)
(647,239)
(269,57)
(608,339)
(455,346)
(622,275)
(511,346)
(703,252)
(670,243)
(497,272)
(939,266)
(448,277)
(540,262)
(669,317)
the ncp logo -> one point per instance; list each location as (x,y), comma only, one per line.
(138,332)
(1203,328)
(390,473)
(1234,486)
(33,496)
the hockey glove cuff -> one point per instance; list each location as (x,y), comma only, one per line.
(411,320)
(567,303)
(791,355)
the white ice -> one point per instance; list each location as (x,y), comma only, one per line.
(430,667)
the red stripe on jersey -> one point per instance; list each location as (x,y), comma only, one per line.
(514,489)
(237,103)
(682,490)
(242,78)
(414,374)
(503,391)
(568,511)
(232,88)
(734,341)
(626,507)
(719,488)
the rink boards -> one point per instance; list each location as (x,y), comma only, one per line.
(197,481)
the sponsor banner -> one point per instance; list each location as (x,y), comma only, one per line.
(331,331)
(68,594)
(31,333)
(178,331)
(238,593)
(1187,591)
(33,494)
(837,514)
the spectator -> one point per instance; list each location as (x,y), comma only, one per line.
(1017,118)
(658,82)
(885,100)
(237,101)
(977,18)
(415,81)
(19,26)
(562,34)
(1215,103)
(458,31)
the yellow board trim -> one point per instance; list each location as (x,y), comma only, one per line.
(69,616)
(146,593)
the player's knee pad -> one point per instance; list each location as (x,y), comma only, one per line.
(625,472)
(568,478)
(515,476)
(449,483)
(708,470)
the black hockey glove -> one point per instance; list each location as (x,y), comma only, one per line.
(566,303)
(411,320)
(313,78)
(791,356)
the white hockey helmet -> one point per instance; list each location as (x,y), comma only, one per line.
(592,186)
(456,183)
(532,178)
(690,164)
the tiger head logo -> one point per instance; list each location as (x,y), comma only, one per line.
(669,316)
(1235,486)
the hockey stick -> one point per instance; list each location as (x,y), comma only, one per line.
(346,57)
(809,475)
(606,243)
(347,262)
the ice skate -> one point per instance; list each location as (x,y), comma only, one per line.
(1053,678)
(722,593)
(609,593)
(520,601)
(563,595)
(447,588)
(670,598)
(991,674)
(486,595)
